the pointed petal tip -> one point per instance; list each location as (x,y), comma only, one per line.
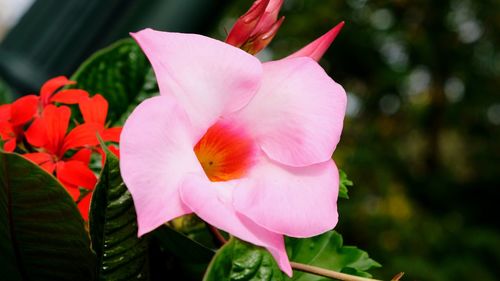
(318,47)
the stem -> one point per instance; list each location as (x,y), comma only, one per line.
(216,233)
(328,273)
(398,276)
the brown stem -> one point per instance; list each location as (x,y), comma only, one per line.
(398,276)
(328,273)
(216,233)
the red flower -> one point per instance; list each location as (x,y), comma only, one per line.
(48,137)
(26,108)
(14,116)
(94,111)
(49,134)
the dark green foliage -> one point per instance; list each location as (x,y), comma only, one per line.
(119,73)
(42,235)
(121,255)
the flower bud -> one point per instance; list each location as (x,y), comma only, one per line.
(318,47)
(254,30)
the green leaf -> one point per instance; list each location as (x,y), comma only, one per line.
(121,255)
(344,183)
(182,246)
(42,235)
(326,251)
(189,259)
(119,73)
(238,260)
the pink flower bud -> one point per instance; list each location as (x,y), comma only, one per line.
(256,28)
(318,47)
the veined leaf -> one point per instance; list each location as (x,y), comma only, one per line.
(42,235)
(119,73)
(239,260)
(327,251)
(121,255)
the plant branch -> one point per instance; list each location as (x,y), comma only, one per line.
(328,273)
(216,233)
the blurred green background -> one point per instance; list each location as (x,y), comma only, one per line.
(422,134)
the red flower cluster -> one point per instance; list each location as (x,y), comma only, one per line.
(38,127)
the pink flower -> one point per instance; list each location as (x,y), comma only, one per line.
(254,30)
(245,145)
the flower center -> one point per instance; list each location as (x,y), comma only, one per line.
(225,152)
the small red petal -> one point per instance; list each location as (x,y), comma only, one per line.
(84,206)
(10,145)
(44,160)
(70,96)
(76,173)
(24,109)
(36,135)
(51,86)
(115,150)
(112,134)
(82,135)
(82,155)
(56,120)
(73,190)
(94,109)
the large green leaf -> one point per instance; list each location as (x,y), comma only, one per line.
(238,260)
(182,246)
(42,235)
(121,255)
(187,259)
(119,73)
(327,251)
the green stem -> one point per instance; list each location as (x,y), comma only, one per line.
(328,273)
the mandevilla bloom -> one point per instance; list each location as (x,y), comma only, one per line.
(244,145)
(254,30)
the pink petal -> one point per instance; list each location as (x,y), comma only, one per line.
(209,78)
(156,153)
(212,201)
(298,113)
(318,47)
(294,201)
